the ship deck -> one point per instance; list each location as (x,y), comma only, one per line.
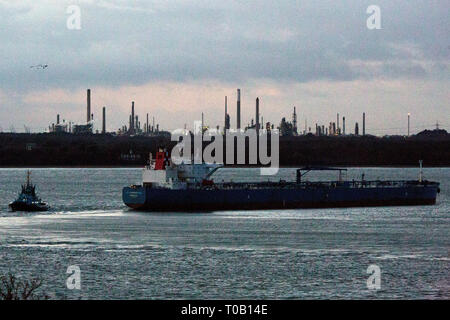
(320,184)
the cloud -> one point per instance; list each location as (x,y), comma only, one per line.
(134,42)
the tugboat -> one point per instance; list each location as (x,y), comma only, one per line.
(28,200)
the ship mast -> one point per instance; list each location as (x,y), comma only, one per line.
(28,177)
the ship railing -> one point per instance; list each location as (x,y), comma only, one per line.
(317,184)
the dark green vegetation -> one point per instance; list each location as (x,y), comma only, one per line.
(23,150)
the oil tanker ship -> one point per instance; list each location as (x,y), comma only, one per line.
(187,187)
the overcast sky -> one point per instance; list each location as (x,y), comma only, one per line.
(176,59)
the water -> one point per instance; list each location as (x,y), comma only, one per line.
(291,254)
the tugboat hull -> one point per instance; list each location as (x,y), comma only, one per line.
(22,206)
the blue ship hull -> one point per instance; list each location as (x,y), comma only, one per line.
(301,196)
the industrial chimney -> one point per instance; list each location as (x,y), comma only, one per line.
(57,119)
(337,124)
(88,117)
(238,126)
(226,113)
(364,124)
(294,121)
(104,121)
(343,126)
(132,125)
(203,124)
(409,115)
(257,116)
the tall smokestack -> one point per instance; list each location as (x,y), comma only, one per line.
(294,121)
(203,124)
(146,125)
(257,115)
(132,117)
(409,115)
(226,113)
(57,119)
(337,123)
(364,124)
(238,124)
(104,121)
(343,125)
(88,117)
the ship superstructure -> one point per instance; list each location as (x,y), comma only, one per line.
(162,173)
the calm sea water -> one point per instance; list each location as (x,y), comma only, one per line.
(286,254)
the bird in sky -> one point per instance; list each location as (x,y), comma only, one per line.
(39,66)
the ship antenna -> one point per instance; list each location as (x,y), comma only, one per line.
(28,177)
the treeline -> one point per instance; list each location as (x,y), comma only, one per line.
(23,150)
(75,150)
(364,151)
